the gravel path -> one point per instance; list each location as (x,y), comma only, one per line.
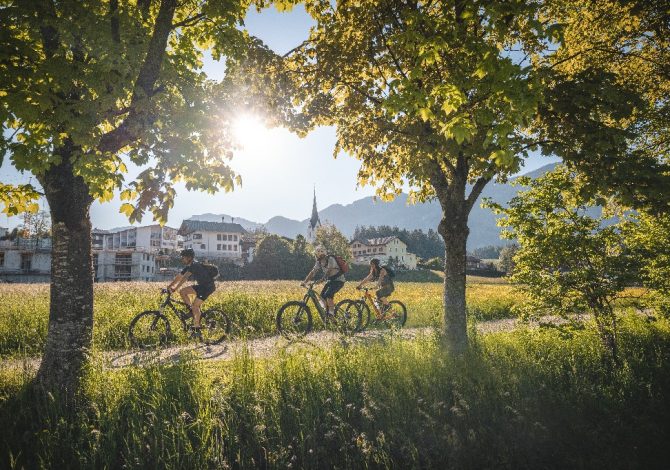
(266,347)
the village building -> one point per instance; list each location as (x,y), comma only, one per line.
(149,238)
(386,249)
(124,265)
(217,240)
(25,259)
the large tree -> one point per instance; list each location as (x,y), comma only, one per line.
(433,93)
(85,85)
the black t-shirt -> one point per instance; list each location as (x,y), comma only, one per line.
(198,273)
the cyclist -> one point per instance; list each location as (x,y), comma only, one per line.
(194,295)
(382,275)
(332,274)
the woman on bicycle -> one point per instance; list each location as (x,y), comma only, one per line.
(383,276)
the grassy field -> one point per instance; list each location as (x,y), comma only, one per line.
(527,399)
(251,305)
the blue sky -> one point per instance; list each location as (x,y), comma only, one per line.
(279,170)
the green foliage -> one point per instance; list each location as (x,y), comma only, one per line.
(85,83)
(568,262)
(507,262)
(605,110)
(529,398)
(333,240)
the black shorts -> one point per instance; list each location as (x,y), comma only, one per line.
(202,291)
(331,288)
(385,291)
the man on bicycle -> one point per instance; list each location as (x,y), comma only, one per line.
(194,295)
(332,274)
(382,275)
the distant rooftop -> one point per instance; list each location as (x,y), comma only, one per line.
(375,241)
(189,226)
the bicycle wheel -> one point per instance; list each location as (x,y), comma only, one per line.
(348,316)
(396,315)
(150,329)
(215,326)
(294,319)
(365,315)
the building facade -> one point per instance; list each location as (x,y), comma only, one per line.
(386,249)
(216,240)
(149,238)
(124,265)
(25,260)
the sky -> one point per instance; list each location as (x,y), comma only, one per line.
(279,170)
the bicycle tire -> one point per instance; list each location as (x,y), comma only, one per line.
(157,334)
(396,315)
(348,316)
(365,315)
(215,326)
(294,319)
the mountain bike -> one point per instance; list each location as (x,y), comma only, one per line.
(294,318)
(394,316)
(151,328)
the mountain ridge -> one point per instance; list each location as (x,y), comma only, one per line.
(372,212)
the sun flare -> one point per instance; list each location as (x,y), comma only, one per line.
(251,134)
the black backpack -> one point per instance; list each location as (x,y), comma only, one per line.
(211,270)
(389,271)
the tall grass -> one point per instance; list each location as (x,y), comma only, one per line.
(252,305)
(528,399)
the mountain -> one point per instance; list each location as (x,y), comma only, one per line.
(370,211)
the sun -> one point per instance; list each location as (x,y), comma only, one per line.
(251,133)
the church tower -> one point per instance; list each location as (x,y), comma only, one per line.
(314,221)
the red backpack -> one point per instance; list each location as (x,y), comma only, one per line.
(341,263)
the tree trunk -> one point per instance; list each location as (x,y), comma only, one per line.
(71,302)
(454,230)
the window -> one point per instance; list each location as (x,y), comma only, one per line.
(224,247)
(2,258)
(197,236)
(230,238)
(218,246)
(202,246)
(234,238)
(218,237)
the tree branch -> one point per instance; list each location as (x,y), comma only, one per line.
(136,121)
(114,20)
(477,191)
(190,21)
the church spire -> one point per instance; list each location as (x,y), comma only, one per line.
(314,221)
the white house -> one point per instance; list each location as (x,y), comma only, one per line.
(385,249)
(214,240)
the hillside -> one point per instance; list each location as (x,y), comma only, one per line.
(369,211)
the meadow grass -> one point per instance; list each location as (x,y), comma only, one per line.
(252,305)
(527,399)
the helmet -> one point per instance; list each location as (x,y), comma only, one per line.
(188,253)
(375,261)
(320,250)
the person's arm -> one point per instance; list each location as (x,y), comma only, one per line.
(309,276)
(368,278)
(178,281)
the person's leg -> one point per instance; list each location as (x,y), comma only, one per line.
(195,308)
(187,295)
(333,289)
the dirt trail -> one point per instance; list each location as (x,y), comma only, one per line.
(265,347)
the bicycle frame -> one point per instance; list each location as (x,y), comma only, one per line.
(176,310)
(369,300)
(311,294)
